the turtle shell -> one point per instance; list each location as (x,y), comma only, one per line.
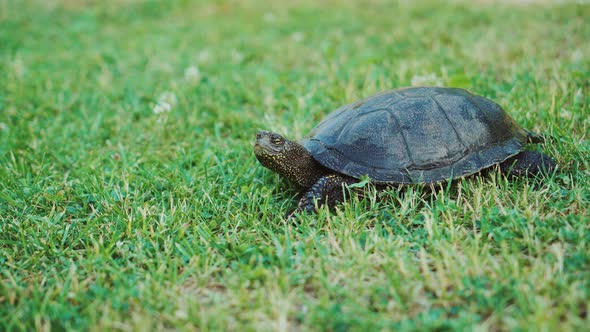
(416,135)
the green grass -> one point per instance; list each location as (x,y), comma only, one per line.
(114,217)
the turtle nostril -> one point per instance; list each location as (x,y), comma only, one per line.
(258,135)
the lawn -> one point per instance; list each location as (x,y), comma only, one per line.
(130,198)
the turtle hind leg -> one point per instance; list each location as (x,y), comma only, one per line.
(328,189)
(528,163)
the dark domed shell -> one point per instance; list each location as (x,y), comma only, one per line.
(416,135)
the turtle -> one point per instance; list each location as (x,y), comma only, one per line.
(405,136)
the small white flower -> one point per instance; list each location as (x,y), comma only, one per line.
(578,99)
(105,78)
(577,55)
(3,126)
(430,79)
(297,36)
(301,104)
(19,68)
(192,73)
(181,314)
(203,56)
(269,100)
(168,98)
(237,56)
(269,17)
(162,108)
(165,104)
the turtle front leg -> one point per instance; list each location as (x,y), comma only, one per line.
(528,163)
(328,189)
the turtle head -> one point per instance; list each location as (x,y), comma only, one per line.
(287,158)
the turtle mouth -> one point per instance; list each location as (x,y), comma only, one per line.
(259,149)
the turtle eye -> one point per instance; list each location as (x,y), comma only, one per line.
(276,140)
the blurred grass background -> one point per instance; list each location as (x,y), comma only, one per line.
(130,198)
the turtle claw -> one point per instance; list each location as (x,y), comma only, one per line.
(299,210)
